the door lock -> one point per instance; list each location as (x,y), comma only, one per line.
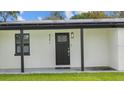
(68,52)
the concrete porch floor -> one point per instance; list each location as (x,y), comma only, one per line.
(37,70)
(53,70)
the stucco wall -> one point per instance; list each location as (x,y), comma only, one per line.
(7,50)
(113,48)
(42,50)
(121,48)
(99,47)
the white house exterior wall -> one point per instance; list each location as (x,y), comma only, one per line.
(113,49)
(96,47)
(42,50)
(102,47)
(7,51)
(120,48)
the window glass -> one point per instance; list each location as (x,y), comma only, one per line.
(26,38)
(18,44)
(18,49)
(26,48)
(62,38)
(18,39)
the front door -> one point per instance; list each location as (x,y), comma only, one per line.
(62,49)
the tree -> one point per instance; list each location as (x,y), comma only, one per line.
(97,14)
(55,15)
(5,15)
(121,14)
(90,14)
(116,14)
(81,16)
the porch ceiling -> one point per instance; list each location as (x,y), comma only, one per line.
(60,24)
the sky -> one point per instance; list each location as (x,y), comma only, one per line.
(39,15)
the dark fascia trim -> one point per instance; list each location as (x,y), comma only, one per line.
(61,25)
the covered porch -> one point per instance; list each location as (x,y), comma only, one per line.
(95,42)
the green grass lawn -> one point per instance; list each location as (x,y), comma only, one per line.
(99,76)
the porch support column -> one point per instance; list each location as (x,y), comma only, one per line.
(82,49)
(22,51)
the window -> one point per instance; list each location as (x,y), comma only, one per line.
(62,38)
(18,44)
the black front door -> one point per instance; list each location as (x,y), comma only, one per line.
(62,49)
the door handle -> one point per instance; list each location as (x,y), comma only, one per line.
(68,52)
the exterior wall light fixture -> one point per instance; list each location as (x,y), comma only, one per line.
(72,35)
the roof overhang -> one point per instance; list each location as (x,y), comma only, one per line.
(60,24)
